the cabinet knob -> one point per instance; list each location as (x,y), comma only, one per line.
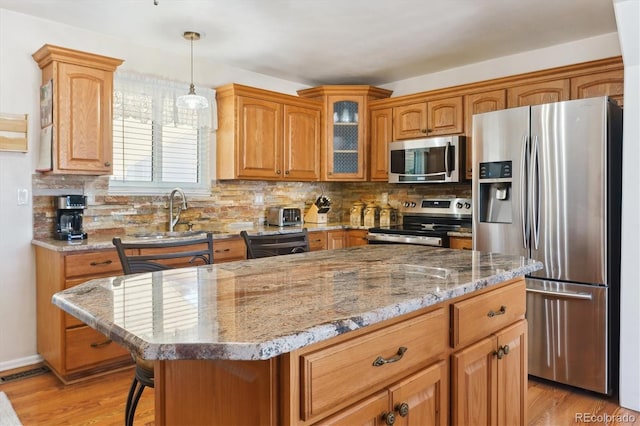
(403,409)
(424,130)
(107,163)
(278,172)
(286,172)
(389,418)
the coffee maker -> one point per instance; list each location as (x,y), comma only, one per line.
(69,217)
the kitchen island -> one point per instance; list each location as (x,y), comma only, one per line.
(322,336)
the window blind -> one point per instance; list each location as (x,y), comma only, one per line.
(157,145)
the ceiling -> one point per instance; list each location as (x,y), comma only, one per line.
(337,41)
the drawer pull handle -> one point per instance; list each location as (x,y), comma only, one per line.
(220,251)
(389,418)
(502,311)
(106,262)
(403,409)
(382,361)
(101,344)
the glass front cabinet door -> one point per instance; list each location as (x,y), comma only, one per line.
(345,149)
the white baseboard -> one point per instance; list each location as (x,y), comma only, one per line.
(20,362)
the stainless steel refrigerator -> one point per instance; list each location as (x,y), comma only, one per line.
(547,185)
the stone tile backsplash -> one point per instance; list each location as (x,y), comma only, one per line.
(230,202)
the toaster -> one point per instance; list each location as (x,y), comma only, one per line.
(284,216)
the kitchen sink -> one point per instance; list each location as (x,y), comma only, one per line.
(163,235)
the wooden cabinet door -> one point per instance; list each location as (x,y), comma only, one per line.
(538,93)
(301,150)
(368,412)
(478,103)
(259,141)
(410,121)
(317,240)
(422,399)
(512,375)
(381,133)
(444,116)
(229,250)
(460,243)
(473,378)
(357,237)
(84,119)
(346,148)
(335,239)
(608,83)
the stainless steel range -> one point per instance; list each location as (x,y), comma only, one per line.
(426,222)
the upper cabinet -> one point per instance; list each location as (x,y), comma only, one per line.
(431,118)
(345,147)
(82,93)
(381,133)
(538,93)
(478,103)
(607,83)
(267,135)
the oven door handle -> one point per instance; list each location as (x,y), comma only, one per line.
(405,239)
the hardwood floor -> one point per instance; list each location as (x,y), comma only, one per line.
(43,400)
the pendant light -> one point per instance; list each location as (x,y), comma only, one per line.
(191,100)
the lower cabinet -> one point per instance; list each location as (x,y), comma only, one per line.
(461,243)
(70,348)
(420,399)
(488,380)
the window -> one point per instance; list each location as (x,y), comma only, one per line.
(156,145)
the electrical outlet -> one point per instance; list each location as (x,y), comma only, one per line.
(23,197)
(258,199)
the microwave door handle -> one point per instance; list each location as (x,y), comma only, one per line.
(447,159)
(524,163)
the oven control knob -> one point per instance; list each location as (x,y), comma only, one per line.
(459,205)
(412,204)
(467,205)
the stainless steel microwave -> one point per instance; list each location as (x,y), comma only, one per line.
(428,160)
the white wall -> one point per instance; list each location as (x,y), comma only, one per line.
(627,17)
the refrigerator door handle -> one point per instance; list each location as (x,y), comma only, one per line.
(564,294)
(524,161)
(534,196)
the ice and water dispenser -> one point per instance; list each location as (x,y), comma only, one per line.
(495,192)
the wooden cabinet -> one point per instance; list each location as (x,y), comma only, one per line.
(381,133)
(345,148)
(478,103)
(82,96)
(538,93)
(420,399)
(489,379)
(70,348)
(336,239)
(607,83)
(431,118)
(489,369)
(357,237)
(461,243)
(318,240)
(267,135)
(229,250)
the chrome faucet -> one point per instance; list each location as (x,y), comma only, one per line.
(172,220)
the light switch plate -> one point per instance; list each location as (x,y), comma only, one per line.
(23,197)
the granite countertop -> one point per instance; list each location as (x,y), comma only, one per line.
(261,308)
(104,242)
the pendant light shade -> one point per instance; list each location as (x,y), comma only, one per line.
(191,100)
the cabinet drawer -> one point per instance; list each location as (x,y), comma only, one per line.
(317,240)
(97,264)
(228,249)
(333,374)
(487,313)
(460,243)
(86,347)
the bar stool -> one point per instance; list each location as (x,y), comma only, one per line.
(275,244)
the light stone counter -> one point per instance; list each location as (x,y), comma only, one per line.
(258,309)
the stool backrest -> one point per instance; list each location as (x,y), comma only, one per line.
(138,257)
(275,244)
